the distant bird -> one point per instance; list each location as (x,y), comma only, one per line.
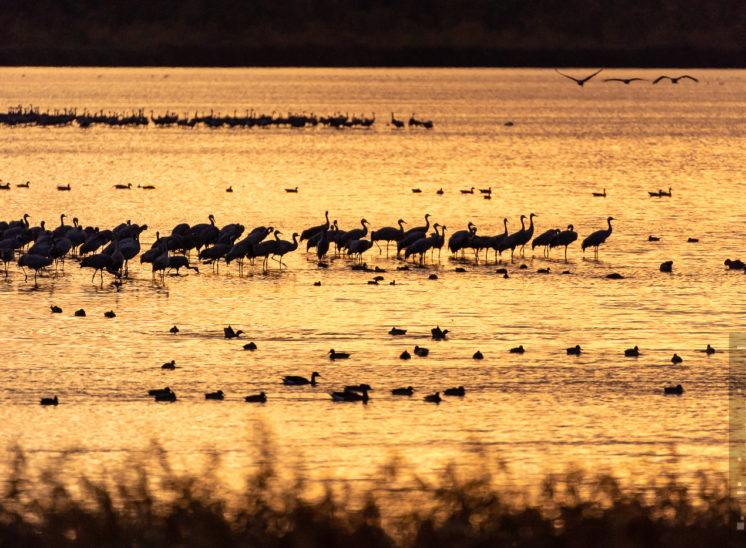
(597,238)
(434,398)
(600,194)
(229,189)
(174,330)
(664,193)
(309,233)
(215,395)
(317,283)
(485,190)
(294,380)
(579,81)
(110,314)
(615,276)
(338,355)
(98,262)
(674,80)
(59,187)
(230,333)
(517,350)
(55,309)
(438,333)
(159,391)
(632,352)
(146,187)
(80,313)
(396,123)
(574,350)
(478,355)
(357,387)
(693,240)
(256,398)
(674,390)
(676,359)
(50,401)
(470,191)
(249,346)
(736,264)
(416,191)
(653,238)
(5,186)
(292,190)
(402,391)
(709,350)
(455,391)
(624,80)
(23,185)
(405,355)
(439,191)
(123,187)
(169,365)
(35,263)
(421,351)
(397,331)
(667,266)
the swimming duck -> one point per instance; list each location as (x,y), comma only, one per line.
(229,333)
(676,359)
(338,355)
(677,390)
(50,401)
(574,350)
(169,365)
(214,395)
(632,352)
(402,391)
(455,391)
(517,350)
(434,398)
(257,398)
(478,355)
(421,351)
(405,355)
(294,380)
(350,396)
(396,331)
(249,346)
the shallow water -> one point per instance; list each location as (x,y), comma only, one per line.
(541,411)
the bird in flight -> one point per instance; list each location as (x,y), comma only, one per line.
(674,80)
(625,80)
(579,81)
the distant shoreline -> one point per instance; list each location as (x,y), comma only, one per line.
(318,56)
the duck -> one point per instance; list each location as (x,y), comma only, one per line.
(709,350)
(397,331)
(256,398)
(229,189)
(80,313)
(615,276)
(157,391)
(434,398)
(174,330)
(501,271)
(405,355)
(455,391)
(50,401)
(432,277)
(478,355)
(676,359)
(294,380)
(574,350)
(249,346)
(437,332)
(677,390)
(693,240)
(402,391)
(55,309)
(543,270)
(738,264)
(338,355)
(459,269)
(110,314)
(517,350)
(652,238)
(667,266)
(169,365)
(317,284)
(440,191)
(214,395)
(230,333)
(632,352)
(421,351)
(350,396)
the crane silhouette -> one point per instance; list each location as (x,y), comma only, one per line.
(597,238)
(579,81)
(674,80)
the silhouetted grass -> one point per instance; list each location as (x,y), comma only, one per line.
(143,507)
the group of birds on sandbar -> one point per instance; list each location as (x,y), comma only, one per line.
(34,116)
(110,250)
(672,79)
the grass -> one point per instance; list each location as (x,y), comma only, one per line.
(143,507)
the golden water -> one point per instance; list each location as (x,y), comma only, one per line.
(541,411)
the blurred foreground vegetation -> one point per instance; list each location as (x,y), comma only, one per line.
(150,504)
(367,32)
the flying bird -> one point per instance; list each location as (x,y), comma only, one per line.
(676,79)
(579,81)
(624,80)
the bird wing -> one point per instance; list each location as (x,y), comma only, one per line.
(661,78)
(591,76)
(613,79)
(690,77)
(567,76)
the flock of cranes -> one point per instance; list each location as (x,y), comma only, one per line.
(33,116)
(110,250)
(672,79)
